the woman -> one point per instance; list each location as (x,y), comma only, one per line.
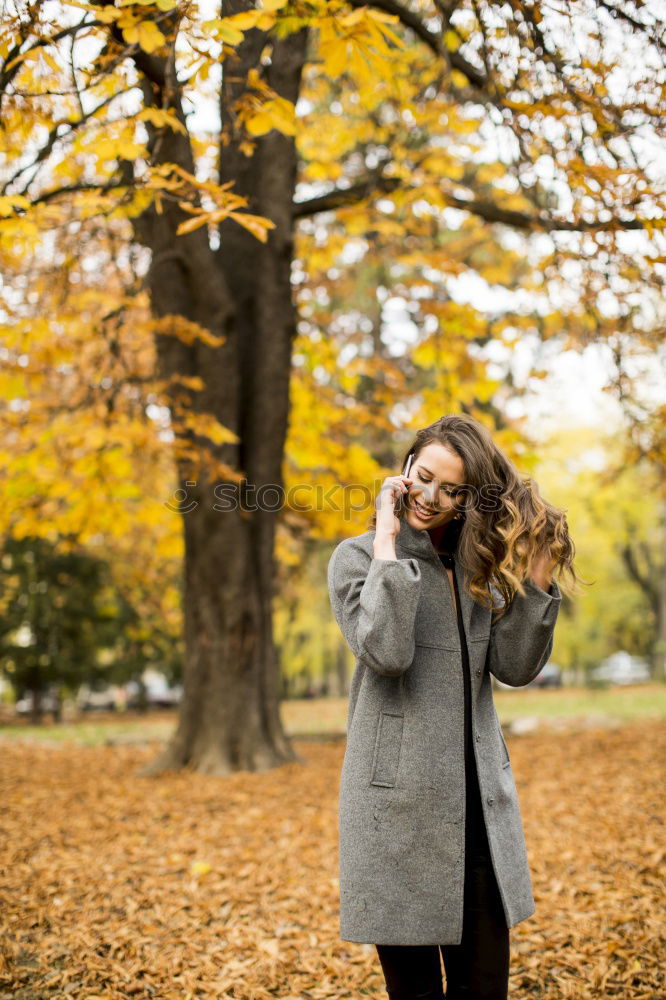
(452,582)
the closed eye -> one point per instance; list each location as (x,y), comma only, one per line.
(450,491)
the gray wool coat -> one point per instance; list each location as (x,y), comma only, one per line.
(402,785)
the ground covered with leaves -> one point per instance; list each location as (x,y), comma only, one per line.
(118,886)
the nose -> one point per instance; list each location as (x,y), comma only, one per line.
(428,496)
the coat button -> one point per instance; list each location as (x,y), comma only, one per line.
(490,800)
(478,670)
(478,735)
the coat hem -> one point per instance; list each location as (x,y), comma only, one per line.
(420,943)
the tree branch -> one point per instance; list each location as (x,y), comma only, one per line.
(646,583)
(75,189)
(486,210)
(430,38)
(9,71)
(538,223)
(339,197)
(408,18)
(151,66)
(54,137)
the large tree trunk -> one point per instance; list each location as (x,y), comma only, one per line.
(229,716)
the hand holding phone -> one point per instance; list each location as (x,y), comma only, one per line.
(387,523)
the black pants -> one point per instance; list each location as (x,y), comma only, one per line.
(478,967)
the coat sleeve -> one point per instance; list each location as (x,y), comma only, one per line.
(374,602)
(522,640)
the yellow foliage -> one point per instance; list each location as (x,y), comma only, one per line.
(275,113)
(376,102)
(187,331)
(162,119)
(206,425)
(145,34)
(224,31)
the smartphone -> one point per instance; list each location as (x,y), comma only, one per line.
(408,464)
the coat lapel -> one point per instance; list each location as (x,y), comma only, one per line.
(419,543)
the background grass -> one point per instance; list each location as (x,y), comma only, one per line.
(323,717)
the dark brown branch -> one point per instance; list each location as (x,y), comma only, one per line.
(377,185)
(339,197)
(647,584)
(75,189)
(538,223)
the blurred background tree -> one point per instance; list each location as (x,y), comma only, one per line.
(64,622)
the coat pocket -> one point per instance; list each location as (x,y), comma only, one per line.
(387,749)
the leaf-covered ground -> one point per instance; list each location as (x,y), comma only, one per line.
(117,886)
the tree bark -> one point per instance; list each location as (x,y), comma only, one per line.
(651,578)
(229,715)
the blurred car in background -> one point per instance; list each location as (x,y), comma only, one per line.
(96,696)
(621,668)
(156,693)
(48,702)
(550,676)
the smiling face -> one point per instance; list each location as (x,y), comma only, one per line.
(435,472)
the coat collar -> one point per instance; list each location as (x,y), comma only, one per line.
(419,543)
(417,540)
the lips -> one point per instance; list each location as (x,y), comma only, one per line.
(423,512)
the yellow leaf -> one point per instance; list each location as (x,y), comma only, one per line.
(32,55)
(380,20)
(230,35)
(162,119)
(194,223)
(275,113)
(255,224)
(173,325)
(128,150)
(459,78)
(10,202)
(259,124)
(246,19)
(224,30)
(107,15)
(335,55)
(51,62)
(200,868)
(206,425)
(452,41)
(145,34)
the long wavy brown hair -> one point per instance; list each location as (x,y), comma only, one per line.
(506,523)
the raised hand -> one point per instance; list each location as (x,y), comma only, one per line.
(388,523)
